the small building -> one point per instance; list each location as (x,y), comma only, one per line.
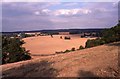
(64,33)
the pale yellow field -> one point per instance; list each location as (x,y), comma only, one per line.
(47,45)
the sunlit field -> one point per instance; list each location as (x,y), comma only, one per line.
(48,45)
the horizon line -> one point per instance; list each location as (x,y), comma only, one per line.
(54,29)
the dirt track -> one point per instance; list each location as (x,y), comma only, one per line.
(100,61)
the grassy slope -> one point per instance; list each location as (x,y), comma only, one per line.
(98,61)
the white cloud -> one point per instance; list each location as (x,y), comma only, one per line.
(37,13)
(46,11)
(65,12)
(86,11)
(71,11)
(62,12)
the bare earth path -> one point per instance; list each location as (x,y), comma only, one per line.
(100,61)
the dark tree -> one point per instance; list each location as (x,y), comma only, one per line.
(12,50)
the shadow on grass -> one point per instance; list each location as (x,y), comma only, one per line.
(86,75)
(40,69)
(114,44)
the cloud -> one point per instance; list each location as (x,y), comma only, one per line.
(37,13)
(47,11)
(71,12)
(44,15)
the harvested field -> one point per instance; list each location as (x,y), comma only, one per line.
(46,45)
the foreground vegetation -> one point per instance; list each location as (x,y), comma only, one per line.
(12,50)
(108,36)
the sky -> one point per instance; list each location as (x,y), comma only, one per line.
(25,16)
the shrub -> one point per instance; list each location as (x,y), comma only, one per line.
(12,50)
(73,49)
(81,47)
(67,51)
(94,42)
(67,38)
(59,52)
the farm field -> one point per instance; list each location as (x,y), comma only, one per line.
(47,45)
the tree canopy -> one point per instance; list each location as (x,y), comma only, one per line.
(108,36)
(12,50)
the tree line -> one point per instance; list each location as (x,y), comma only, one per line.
(108,36)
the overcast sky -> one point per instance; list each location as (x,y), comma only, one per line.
(19,16)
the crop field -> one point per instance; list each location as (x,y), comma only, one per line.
(49,45)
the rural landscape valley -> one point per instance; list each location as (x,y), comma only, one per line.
(48,45)
(60,40)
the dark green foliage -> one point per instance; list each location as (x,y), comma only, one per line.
(108,36)
(23,35)
(12,50)
(94,42)
(67,51)
(59,52)
(81,47)
(27,35)
(112,34)
(67,38)
(73,49)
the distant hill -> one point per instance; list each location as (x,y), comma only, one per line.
(72,31)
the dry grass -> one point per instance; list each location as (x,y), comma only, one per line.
(100,61)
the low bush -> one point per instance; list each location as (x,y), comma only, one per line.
(81,47)
(67,51)
(59,52)
(67,38)
(94,42)
(73,49)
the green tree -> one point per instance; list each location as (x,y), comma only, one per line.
(12,50)
(108,36)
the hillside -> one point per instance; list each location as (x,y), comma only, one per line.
(100,61)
